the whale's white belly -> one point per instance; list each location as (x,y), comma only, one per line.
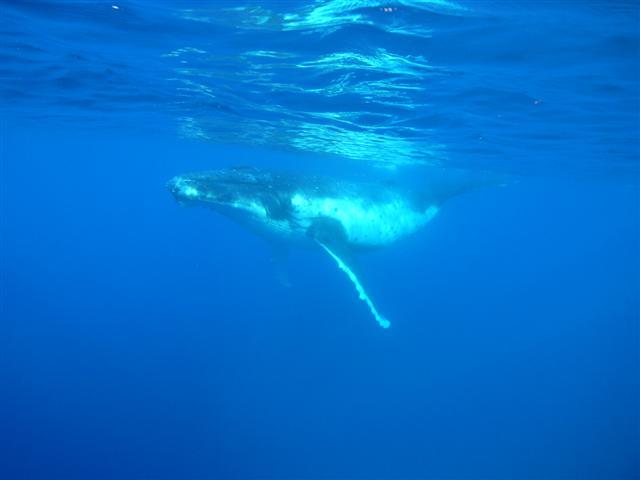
(365,223)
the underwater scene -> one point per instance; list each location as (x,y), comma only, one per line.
(319,239)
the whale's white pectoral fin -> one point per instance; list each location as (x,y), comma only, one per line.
(330,235)
(383,322)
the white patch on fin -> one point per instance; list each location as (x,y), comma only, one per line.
(384,323)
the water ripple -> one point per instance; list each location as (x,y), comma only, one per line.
(388,83)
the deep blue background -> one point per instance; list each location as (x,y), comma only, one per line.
(140,339)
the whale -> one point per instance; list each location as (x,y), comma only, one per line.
(339,217)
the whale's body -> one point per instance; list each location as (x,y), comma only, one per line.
(338,216)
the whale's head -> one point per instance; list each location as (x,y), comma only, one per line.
(230,191)
(217,188)
(199,189)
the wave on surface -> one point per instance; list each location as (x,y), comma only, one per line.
(395,83)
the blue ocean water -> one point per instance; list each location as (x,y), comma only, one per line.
(139,339)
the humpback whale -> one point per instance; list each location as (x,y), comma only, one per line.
(338,217)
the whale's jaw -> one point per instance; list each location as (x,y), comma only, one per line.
(200,189)
(182,190)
